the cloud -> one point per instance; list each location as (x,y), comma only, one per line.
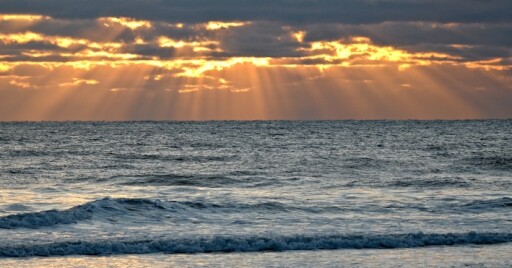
(146,39)
(300,59)
(289,11)
(412,33)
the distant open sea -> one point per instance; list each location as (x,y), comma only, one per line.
(263,193)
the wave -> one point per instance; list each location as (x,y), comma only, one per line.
(364,163)
(502,163)
(177,158)
(75,214)
(225,244)
(433,182)
(179,180)
(44,218)
(128,209)
(490,204)
(111,209)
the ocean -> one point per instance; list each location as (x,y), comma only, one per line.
(257,194)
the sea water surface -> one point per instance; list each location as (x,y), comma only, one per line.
(264,193)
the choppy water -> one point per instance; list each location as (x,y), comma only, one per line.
(216,187)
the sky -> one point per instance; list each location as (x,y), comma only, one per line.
(255,60)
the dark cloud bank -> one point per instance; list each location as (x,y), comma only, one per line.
(290,11)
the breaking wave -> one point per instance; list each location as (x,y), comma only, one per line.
(75,214)
(112,208)
(115,209)
(218,244)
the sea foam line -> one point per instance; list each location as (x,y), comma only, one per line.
(253,244)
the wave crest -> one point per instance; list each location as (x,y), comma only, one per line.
(253,244)
(75,214)
(111,209)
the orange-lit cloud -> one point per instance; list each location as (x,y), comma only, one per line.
(21,17)
(217,25)
(128,22)
(122,68)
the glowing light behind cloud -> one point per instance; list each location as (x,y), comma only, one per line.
(141,69)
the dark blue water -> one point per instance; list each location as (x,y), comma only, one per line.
(191,187)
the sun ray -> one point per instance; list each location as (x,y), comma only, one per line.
(202,67)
